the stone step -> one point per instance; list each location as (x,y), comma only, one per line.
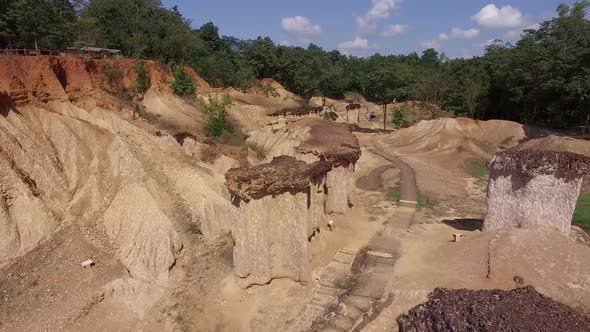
(408,204)
(342,322)
(332,329)
(344,257)
(380,254)
(353,312)
(322,300)
(362,303)
(326,290)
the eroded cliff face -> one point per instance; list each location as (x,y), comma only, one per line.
(73,153)
(280,206)
(530,189)
(312,140)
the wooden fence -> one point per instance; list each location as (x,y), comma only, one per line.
(8,52)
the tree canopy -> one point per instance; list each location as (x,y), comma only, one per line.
(544,78)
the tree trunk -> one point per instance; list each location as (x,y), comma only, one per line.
(384,117)
(358,118)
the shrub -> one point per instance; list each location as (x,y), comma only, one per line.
(112,77)
(582,213)
(477,168)
(143,79)
(216,110)
(269,91)
(259,150)
(183,84)
(400,116)
(424,201)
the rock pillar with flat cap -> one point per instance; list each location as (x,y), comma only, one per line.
(280,207)
(530,189)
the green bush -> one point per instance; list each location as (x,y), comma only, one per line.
(424,201)
(582,213)
(269,91)
(400,116)
(183,84)
(477,168)
(143,79)
(112,79)
(216,110)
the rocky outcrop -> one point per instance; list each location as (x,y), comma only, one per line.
(529,189)
(311,140)
(522,309)
(280,206)
(73,154)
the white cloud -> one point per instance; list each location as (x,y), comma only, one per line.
(301,27)
(512,34)
(285,43)
(394,30)
(380,9)
(492,16)
(464,34)
(456,33)
(517,33)
(535,26)
(357,43)
(435,43)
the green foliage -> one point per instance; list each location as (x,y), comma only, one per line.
(485,146)
(400,116)
(143,79)
(216,109)
(269,91)
(582,212)
(477,168)
(259,150)
(506,142)
(182,84)
(394,195)
(33,23)
(424,201)
(112,77)
(542,79)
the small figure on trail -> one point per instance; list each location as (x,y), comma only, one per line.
(372,116)
(331,225)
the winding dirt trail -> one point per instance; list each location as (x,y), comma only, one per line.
(408,187)
(372,289)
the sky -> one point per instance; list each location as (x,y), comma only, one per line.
(459,28)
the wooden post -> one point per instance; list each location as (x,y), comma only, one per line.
(384,117)
(358,118)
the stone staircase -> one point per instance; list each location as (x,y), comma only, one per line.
(330,284)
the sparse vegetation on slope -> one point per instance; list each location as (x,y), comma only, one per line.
(477,168)
(216,108)
(183,84)
(143,79)
(582,213)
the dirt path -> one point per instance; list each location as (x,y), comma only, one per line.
(408,187)
(368,293)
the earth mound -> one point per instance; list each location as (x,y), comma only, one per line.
(522,309)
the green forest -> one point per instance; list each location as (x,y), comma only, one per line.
(543,79)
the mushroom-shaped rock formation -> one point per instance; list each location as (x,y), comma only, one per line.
(313,139)
(335,143)
(530,189)
(280,206)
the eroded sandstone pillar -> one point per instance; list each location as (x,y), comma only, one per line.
(280,204)
(529,189)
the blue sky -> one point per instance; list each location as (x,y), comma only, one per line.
(460,28)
